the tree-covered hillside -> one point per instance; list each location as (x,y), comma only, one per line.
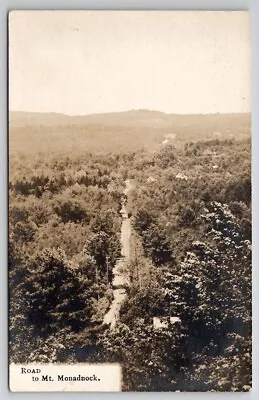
(190,255)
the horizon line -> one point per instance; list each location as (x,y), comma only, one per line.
(125,111)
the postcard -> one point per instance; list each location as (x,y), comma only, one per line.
(130,201)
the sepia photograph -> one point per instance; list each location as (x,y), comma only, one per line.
(130,249)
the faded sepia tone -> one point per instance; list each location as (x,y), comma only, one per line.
(130,199)
(94,62)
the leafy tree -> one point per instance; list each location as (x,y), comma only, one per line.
(105,251)
(157,245)
(51,296)
(156,362)
(214,296)
(70,210)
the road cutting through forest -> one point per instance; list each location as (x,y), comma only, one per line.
(120,279)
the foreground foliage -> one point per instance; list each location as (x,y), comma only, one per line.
(190,210)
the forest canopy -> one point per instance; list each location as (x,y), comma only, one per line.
(189,209)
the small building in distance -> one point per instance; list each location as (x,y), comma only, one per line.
(217,134)
(181,176)
(165,322)
(169,138)
(151,179)
(209,152)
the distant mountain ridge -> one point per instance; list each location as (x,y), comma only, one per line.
(118,132)
(131,117)
(57,119)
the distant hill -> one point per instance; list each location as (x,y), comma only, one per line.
(116,132)
(20,118)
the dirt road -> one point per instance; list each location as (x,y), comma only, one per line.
(120,279)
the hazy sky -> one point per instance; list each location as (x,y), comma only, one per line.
(82,62)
